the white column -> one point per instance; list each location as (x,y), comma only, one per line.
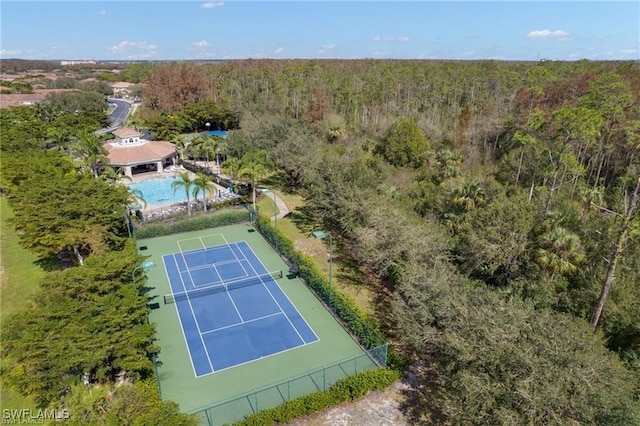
(159,164)
(127,171)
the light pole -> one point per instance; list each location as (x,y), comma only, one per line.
(208,125)
(218,158)
(146,266)
(320,235)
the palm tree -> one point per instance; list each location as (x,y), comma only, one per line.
(135,196)
(89,148)
(560,251)
(184,181)
(449,163)
(253,172)
(60,137)
(231,167)
(181,144)
(112,175)
(202,183)
(469,196)
(209,145)
(196,147)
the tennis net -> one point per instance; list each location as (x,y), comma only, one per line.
(225,286)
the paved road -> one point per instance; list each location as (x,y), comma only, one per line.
(118,116)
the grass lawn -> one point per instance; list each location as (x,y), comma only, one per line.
(345,276)
(18,280)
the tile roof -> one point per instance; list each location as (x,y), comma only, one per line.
(133,155)
(125,133)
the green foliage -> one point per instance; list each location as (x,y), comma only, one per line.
(100,87)
(345,390)
(211,220)
(404,145)
(89,319)
(127,403)
(15,87)
(494,243)
(21,129)
(74,212)
(500,361)
(356,321)
(77,101)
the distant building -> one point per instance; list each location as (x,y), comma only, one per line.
(121,89)
(137,155)
(77,62)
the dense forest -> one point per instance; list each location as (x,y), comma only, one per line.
(491,207)
(495,203)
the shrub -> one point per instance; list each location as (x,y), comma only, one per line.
(220,218)
(347,389)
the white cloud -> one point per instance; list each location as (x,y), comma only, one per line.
(200,44)
(380,53)
(279,50)
(102,12)
(391,38)
(6,52)
(544,34)
(211,5)
(142,56)
(125,46)
(329,46)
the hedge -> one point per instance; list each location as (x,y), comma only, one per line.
(347,389)
(355,319)
(212,220)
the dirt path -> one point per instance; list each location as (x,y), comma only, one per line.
(379,408)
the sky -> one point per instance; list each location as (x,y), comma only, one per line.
(240,29)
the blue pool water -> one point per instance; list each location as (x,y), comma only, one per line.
(221,133)
(159,191)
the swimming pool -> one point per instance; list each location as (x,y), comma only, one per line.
(159,191)
(220,133)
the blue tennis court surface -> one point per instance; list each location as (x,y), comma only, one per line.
(231,309)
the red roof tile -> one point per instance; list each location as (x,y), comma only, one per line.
(132,155)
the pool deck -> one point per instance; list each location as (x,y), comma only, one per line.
(166,209)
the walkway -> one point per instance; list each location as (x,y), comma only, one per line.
(282,208)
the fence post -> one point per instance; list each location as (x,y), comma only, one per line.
(324,378)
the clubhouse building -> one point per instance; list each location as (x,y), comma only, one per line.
(134,154)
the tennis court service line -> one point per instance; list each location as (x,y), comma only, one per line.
(269,291)
(228,294)
(283,293)
(195,319)
(239,260)
(188,239)
(245,322)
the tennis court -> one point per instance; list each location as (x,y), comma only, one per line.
(232,322)
(231,309)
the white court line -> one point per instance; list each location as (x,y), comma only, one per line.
(285,295)
(242,323)
(186,343)
(258,359)
(239,260)
(270,294)
(195,319)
